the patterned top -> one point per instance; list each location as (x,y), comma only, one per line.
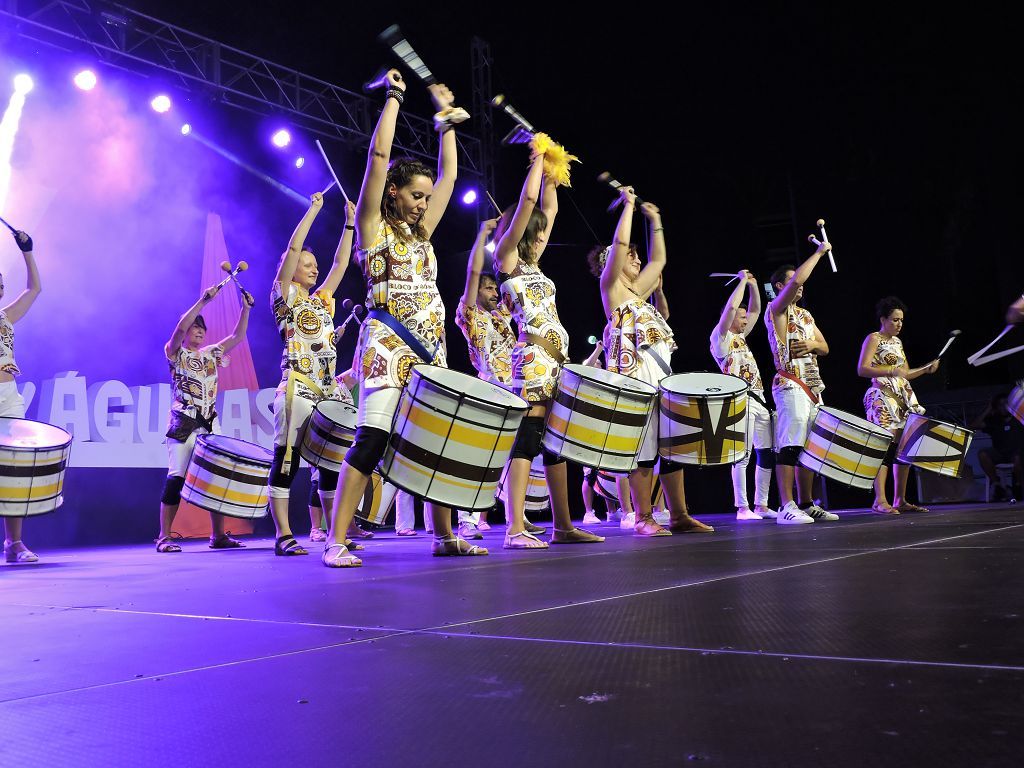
(306,325)
(7,364)
(490,338)
(401,278)
(800,327)
(635,326)
(734,357)
(529,297)
(890,398)
(194,380)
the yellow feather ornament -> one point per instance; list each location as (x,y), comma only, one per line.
(556,159)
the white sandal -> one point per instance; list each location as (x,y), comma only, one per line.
(510,542)
(343,558)
(25,555)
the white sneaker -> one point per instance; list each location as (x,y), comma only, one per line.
(590,518)
(468,530)
(821,514)
(615,516)
(662,517)
(791,514)
(744,513)
(628,522)
(766,513)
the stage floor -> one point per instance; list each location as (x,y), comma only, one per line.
(872,641)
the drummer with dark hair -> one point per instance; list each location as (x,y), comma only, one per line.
(796,343)
(193,408)
(12,405)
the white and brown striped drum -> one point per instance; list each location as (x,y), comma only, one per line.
(703,419)
(451,436)
(33,458)
(936,445)
(607,487)
(228,476)
(536,487)
(599,418)
(845,448)
(1015,402)
(377,500)
(329,434)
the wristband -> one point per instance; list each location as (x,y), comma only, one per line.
(394,93)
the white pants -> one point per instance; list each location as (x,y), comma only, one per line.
(759,433)
(377,407)
(12,404)
(179,453)
(405,513)
(794,415)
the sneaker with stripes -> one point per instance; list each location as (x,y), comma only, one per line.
(818,513)
(791,514)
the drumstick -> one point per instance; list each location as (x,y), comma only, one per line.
(500,102)
(976,359)
(606,178)
(824,239)
(327,189)
(593,340)
(950,340)
(356,311)
(732,275)
(242,266)
(226,266)
(331,169)
(13,230)
(393,38)
(496,206)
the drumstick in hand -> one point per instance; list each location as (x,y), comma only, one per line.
(824,239)
(949,341)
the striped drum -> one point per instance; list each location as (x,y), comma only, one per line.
(329,433)
(536,487)
(228,476)
(1015,402)
(377,500)
(598,418)
(703,419)
(845,448)
(935,445)
(451,437)
(607,487)
(33,456)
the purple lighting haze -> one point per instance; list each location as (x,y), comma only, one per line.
(281,138)
(161,103)
(469,198)
(86,80)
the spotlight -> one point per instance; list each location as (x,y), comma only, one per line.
(489,247)
(86,80)
(469,198)
(186,129)
(23,84)
(281,139)
(300,161)
(161,103)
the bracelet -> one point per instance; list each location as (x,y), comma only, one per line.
(349,226)
(658,229)
(394,93)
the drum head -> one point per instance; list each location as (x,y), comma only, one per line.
(704,384)
(24,434)
(462,385)
(857,421)
(338,412)
(232,446)
(610,379)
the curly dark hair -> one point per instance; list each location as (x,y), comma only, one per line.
(887,306)
(401,172)
(534,229)
(594,258)
(779,275)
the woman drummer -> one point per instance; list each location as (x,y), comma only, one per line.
(542,349)
(12,405)
(639,343)
(890,398)
(305,319)
(400,205)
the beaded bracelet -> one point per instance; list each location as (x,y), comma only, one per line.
(394,93)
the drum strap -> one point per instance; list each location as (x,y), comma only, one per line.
(665,368)
(289,395)
(800,383)
(381,315)
(547,346)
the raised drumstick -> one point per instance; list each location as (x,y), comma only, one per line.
(496,206)
(824,239)
(393,38)
(950,340)
(611,181)
(331,169)
(13,230)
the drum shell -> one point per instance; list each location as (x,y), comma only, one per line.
(377,500)
(33,459)
(934,445)
(608,489)
(845,448)
(451,437)
(537,499)
(326,439)
(599,418)
(226,481)
(1015,402)
(702,419)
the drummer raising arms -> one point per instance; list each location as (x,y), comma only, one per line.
(12,404)
(193,408)
(400,206)
(730,350)
(796,344)
(639,343)
(305,319)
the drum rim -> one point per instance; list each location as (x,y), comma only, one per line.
(719,396)
(429,499)
(464,395)
(71,438)
(940,421)
(205,440)
(838,414)
(581,371)
(326,400)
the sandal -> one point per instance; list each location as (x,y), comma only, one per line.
(340,559)
(350,545)
(287,546)
(355,532)
(522,540)
(906,506)
(454,547)
(164,544)
(23,555)
(687,524)
(406,532)
(317,535)
(575,536)
(884,509)
(534,529)
(650,527)
(225,541)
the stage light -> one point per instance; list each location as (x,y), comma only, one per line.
(86,80)
(186,129)
(281,139)
(23,84)
(300,161)
(161,103)
(469,198)
(489,247)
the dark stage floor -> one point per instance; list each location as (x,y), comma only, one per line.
(869,642)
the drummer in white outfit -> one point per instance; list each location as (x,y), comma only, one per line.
(730,350)
(11,402)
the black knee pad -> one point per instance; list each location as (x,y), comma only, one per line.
(279,479)
(788,456)
(890,455)
(765,457)
(172,490)
(550,459)
(646,464)
(366,452)
(528,439)
(328,481)
(314,493)
(667,467)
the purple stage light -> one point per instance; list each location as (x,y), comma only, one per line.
(300,161)
(85,80)
(281,139)
(469,198)
(161,103)
(23,84)
(186,129)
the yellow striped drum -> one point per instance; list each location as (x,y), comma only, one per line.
(845,448)
(451,437)
(328,434)
(935,445)
(377,500)
(1015,402)
(606,486)
(536,487)
(33,457)
(703,419)
(598,418)
(228,476)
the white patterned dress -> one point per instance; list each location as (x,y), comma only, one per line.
(890,398)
